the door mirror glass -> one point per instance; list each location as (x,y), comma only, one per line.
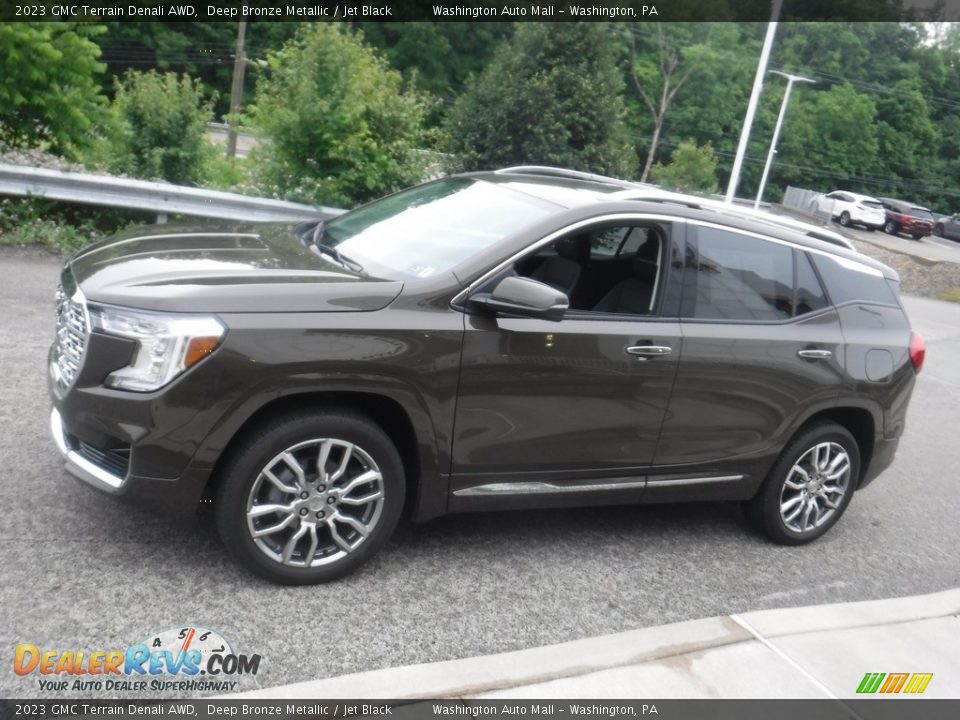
(526,297)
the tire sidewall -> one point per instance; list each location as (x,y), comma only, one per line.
(766,505)
(242,469)
(845,218)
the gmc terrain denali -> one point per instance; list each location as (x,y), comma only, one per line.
(529,337)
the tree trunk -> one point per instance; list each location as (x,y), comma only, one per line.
(654,142)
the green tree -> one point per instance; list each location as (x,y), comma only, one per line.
(552,95)
(832,132)
(691,169)
(442,55)
(337,124)
(203,50)
(49,93)
(663,60)
(161,127)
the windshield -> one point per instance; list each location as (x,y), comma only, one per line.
(432,228)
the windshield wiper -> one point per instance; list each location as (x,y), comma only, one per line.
(330,251)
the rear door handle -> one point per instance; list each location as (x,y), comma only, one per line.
(648,351)
(815,354)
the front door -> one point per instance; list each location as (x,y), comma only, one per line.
(570,411)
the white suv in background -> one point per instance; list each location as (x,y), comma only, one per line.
(851,209)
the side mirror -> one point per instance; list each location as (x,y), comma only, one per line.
(525,297)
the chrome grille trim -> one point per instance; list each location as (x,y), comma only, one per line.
(73,332)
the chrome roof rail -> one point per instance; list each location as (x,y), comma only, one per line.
(562,172)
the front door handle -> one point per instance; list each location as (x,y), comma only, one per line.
(648,351)
(815,354)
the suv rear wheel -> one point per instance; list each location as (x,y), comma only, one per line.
(311,497)
(809,487)
(845,218)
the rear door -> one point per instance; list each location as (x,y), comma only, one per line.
(761,346)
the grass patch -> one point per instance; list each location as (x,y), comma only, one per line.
(950,294)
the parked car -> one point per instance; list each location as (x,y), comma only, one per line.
(849,208)
(948,227)
(907,218)
(530,337)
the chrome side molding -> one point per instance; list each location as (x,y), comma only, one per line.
(548,488)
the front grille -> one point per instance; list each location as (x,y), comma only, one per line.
(72,333)
(115,461)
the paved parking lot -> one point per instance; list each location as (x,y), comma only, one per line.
(80,571)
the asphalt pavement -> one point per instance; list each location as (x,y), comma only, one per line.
(81,571)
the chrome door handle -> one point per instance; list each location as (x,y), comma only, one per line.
(813,354)
(648,351)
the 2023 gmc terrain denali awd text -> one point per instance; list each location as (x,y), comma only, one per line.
(523,338)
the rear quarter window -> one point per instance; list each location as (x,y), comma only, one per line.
(847,281)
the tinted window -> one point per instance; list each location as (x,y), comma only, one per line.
(810,296)
(872,204)
(921,213)
(847,281)
(738,278)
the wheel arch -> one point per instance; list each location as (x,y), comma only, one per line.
(423,480)
(858,421)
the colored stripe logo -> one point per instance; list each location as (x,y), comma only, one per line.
(890,683)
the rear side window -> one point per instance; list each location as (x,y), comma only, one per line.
(809,293)
(736,277)
(848,281)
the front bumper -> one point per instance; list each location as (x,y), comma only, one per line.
(78,465)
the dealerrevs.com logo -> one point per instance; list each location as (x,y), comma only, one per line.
(181,659)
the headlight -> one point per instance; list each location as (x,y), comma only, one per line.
(167,345)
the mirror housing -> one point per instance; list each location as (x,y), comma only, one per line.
(525,297)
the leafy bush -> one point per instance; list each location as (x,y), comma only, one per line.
(39,222)
(552,95)
(49,93)
(336,125)
(159,128)
(691,169)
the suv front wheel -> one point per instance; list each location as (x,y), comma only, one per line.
(310,497)
(809,487)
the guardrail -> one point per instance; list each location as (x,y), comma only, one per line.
(155,197)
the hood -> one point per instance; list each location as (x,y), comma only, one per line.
(262,268)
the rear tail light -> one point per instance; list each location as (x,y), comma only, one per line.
(918,351)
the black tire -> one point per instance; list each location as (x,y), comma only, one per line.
(845,218)
(890,228)
(370,447)
(871,228)
(764,510)
(938,230)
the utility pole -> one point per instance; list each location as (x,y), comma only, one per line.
(236,91)
(791,79)
(754,101)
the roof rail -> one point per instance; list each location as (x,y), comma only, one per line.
(562,172)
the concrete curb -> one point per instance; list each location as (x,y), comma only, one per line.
(793,652)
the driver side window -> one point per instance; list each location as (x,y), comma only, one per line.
(610,270)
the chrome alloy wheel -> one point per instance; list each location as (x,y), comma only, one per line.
(815,487)
(315,502)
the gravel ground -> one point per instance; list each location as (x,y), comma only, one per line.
(926,279)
